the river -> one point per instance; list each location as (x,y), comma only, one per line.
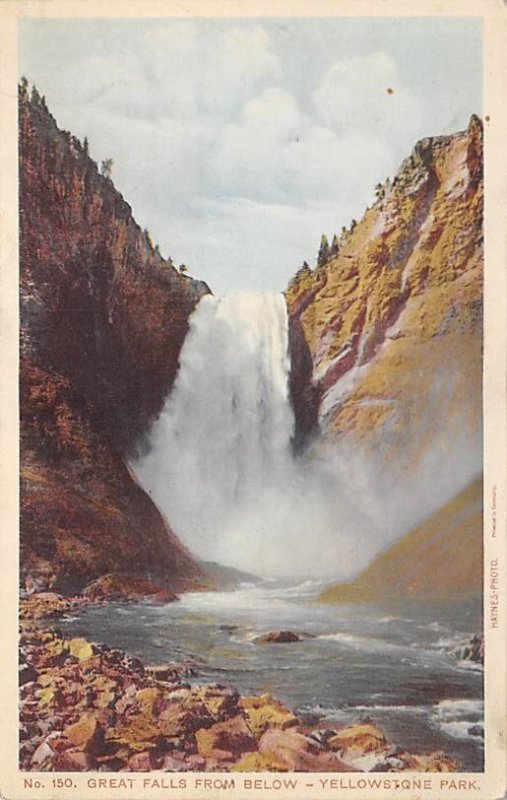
(392,666)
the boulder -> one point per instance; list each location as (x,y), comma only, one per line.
(179,719)
(43,753)
(126,587)
(44,604)
(435,762)
(471,650)
(289,751)
(278,637)
(81,649)
(72,761)
(27,673)
(365,738)
(85,734)
(263,712)
(145,761)
(219,700)
(174,763)
(151,700)
(299,753)
(284,747)
(232,737)
(166,673)
(138,732)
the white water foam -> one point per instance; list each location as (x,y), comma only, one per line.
(459,718)
(221,465)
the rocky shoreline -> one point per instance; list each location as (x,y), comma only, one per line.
(86,706)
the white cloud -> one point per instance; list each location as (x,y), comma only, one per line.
(198,70)
(369,94)
(238,142)
(279,154)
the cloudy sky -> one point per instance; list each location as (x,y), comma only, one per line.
(239,142)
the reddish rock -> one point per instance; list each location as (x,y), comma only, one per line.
(72,761)
(121,586)
(231,738)
(163,673)
(43,753)
(279,637)
(103,318)
(146,761)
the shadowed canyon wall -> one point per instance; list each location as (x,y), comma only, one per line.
(103,318)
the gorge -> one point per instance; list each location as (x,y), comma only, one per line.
(327,435)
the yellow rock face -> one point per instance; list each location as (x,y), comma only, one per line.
(393,322)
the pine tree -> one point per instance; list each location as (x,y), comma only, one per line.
(35,96)
(323,255)
(23,87)
(335,247)
(106,167)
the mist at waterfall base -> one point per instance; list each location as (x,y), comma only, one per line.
(220,462)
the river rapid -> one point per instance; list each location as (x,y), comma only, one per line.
(392,666)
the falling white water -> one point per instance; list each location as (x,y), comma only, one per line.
(220,463)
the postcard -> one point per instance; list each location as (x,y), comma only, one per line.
(253,417)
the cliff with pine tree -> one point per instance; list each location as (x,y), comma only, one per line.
(388,330)
(103,317)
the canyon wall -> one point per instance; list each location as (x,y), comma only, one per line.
(392,321)
(385,339)
(102,320)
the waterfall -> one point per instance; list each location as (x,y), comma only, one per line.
(221,449)
(220,463)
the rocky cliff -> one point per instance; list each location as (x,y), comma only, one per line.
(387,329)
(103,318)
(442,557)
